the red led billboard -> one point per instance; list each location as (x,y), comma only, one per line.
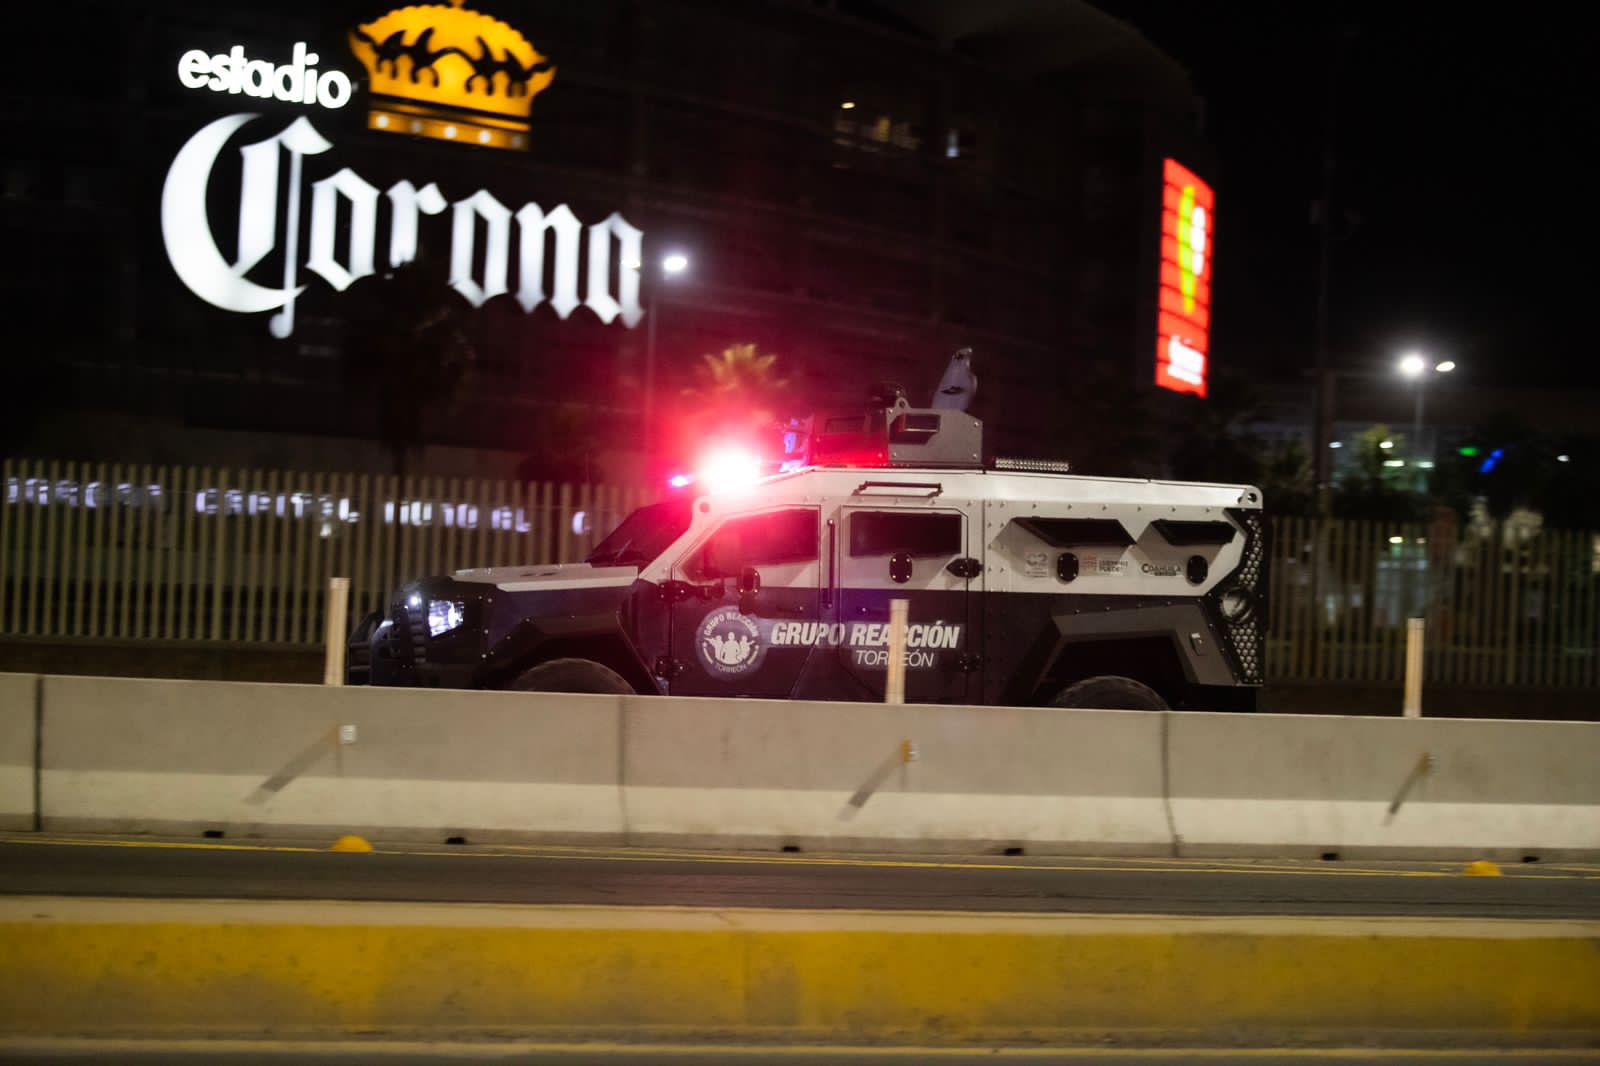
(1183,323)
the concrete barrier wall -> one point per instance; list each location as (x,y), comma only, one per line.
(764,772)
(1282,784)
(181,756)
(19,697)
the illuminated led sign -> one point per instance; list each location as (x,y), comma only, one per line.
(433,70)
(482,252)
(451,74)
(1183,323)
(297,82)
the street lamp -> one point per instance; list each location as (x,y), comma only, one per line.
(672,264)
(1416,367)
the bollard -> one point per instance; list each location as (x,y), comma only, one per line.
(338,622)
(1413,692)
(894,682)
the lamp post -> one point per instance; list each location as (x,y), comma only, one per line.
(1414,366)
(672,264)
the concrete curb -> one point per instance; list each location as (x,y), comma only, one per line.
(86,967)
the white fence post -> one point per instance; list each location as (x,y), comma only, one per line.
(338,622)
(894,682)
(1415,628)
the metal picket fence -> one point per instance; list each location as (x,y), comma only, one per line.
(155,553)
(218,556)
(1504,606)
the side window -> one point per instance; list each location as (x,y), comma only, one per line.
(770,539)
(921,536)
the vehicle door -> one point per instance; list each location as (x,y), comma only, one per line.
(923,555)
(745,615)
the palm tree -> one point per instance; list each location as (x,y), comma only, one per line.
(736,389)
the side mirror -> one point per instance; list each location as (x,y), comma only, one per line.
(749,588)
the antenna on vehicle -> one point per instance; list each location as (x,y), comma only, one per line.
(958,385)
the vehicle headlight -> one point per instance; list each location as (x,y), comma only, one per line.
(445,615)
(1235,604)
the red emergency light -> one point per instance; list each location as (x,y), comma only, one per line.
(871,438)
(1183,318)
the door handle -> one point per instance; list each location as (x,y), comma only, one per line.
(798,609)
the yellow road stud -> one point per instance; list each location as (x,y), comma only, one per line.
(359,845)
(1482,868)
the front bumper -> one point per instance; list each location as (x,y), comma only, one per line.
(397,649)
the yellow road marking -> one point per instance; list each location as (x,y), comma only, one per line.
(1123,865)
(190,845)
(574,851)
(1443,869)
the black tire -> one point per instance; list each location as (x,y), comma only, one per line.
(1110,693)
(572,675)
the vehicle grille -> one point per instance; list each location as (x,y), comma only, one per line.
(411,632)
(358,651)
(1247,637)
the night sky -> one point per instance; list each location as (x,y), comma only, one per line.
(1468,216)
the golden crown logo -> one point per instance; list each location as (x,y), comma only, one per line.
(452,74)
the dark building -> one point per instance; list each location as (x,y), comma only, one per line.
(860,188)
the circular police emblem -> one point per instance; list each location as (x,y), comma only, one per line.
(729,643)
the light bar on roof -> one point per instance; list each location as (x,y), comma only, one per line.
(1034,466)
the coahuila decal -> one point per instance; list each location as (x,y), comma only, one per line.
(297,82)
(729,642)
(193,250)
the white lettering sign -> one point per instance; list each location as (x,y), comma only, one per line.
(44,492)
(296,83)
(481,233)
(863,635)
(1186,363)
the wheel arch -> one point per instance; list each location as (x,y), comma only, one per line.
(609,650)
(1152,660)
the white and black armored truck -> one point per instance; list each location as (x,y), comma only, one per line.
(1025,585)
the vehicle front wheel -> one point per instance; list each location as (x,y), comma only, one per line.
(1110,693)
(572,675)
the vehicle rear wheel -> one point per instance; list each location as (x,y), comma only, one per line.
(1110,693)
(572,675)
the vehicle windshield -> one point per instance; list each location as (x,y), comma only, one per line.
(643,535)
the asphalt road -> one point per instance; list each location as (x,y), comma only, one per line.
(42,865)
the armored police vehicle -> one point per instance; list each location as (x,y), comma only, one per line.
(1025,585)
